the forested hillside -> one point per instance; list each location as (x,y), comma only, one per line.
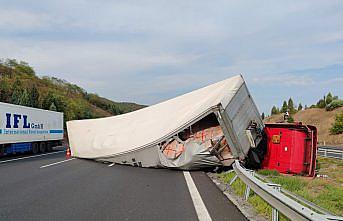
(20,85)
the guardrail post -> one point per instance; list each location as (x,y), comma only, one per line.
(247,188)
(275,212)
(325,152)
(247,192)
(233,180)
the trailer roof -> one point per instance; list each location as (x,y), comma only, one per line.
(124,133)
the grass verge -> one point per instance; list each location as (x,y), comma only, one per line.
(325,192)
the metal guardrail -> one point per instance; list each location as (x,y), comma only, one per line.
(274,196)
(330,153)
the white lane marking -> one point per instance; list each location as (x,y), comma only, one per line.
(52,164)
(111,165)
(199,205)
(22,158)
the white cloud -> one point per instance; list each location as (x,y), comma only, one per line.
(13,19)
(284,79)
(146,51)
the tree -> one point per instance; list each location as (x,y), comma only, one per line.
(25,99)
(87,114)
(5,94)
(34,96)
(334,104)
(262,116)
(290,119)
(306,107)
(329,98)
(58,101)
(275,110)
(53,107)
(300,107)
(321,103)
(284,107)
(21,67)
(11,63)
(337,127)
(48,100)
(290,106)
(17,92)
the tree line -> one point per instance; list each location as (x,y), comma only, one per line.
(20,85)
(329,102)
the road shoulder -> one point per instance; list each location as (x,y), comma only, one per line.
(244,207)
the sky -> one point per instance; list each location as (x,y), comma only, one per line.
(150,51)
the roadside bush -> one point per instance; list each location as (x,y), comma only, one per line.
(334,104)
(337,127)
(290,119)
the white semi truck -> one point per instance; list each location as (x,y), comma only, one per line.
(27,129)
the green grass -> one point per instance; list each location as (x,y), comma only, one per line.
(326,193)
(261,206)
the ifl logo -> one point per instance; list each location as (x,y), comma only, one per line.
(13,121)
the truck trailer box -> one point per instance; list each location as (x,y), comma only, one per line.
(291,148)
(211,126)
(19,124)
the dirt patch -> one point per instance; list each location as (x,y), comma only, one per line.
(319,118)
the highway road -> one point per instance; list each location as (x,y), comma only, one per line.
(51,187)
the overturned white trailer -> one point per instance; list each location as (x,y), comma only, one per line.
(208,127)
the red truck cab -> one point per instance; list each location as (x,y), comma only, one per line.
(291,148)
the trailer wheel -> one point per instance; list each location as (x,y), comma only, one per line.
(35,148)
(42,147)
(49,147)
(2,150)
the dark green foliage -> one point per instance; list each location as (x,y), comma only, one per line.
(321,103)
(110,106)
(56,99)
(87,114)
(337,127)
(19,67)
(34,96)
(20,85)
(334,104)
(326,101)
(53,107)
(329,98)
(290,119)
(5,92)
(275,110)
(300,107)
(284,107)
(17,90)
(68,87)
(290,106)
(48,100)
(25,99)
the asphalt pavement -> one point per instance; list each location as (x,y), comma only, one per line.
(51,187)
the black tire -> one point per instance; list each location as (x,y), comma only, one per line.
(2,149)
(49,146)
(35,148)
(42,147)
